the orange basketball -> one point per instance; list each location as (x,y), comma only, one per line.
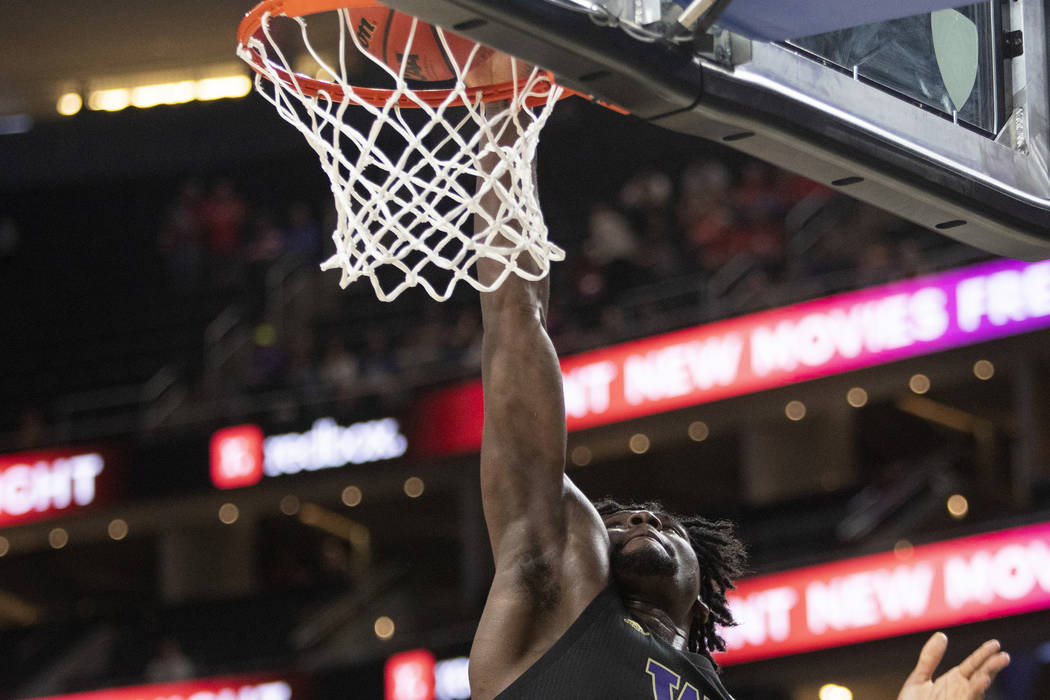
(384,33)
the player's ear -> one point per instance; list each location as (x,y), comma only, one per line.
(701,611)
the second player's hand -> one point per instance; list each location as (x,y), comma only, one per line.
(967,681)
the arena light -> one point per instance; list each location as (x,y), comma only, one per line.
(223,87)
(162,89)
(795,410)
(639,443)
(413,487)
(117,529)
(698,431)
(58,538)
(290,504)
(145,96)
(857,397)
(352,496)
(919,383)
(833,691)
(69,104)
(903,550)
(229,513)
(384,627)
(110,100)
(958,506)
(983,370)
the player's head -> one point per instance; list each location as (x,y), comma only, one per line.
(704,562)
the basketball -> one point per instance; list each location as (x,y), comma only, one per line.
(385,34)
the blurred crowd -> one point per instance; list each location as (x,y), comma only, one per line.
(669,248)
(660,248)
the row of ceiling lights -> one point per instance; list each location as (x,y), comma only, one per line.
(228,514)
(795,410)
(225,81)
(114,99)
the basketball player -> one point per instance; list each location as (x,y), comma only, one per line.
(616,602)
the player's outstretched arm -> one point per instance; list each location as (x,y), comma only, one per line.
(549,545)
(967,681)
(524,489)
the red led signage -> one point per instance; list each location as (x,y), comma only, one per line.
(410,676)
(885,595)
(242,455)
(228,688)
(769,349)
(237,456)
(45,484)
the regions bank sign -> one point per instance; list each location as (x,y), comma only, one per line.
(770,349)
(241,455)
(886,595)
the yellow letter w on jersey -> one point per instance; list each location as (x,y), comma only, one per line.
(666,682)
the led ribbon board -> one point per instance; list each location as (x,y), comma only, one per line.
(48,483)
(770,349)
(885,595)
(241,455)
(227,688)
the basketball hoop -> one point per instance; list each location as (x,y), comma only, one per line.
(405,161)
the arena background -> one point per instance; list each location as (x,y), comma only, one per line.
(159,267)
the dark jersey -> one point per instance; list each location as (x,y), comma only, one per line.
(605,654)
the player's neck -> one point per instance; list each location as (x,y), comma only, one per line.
(657,622)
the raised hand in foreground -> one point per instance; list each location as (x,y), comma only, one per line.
(967,681)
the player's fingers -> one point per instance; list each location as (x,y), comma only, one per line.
(983,676)
(931,655)
(976,660)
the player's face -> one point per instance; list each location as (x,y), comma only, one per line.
(651,550)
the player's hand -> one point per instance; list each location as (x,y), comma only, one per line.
(493,68)
(967,681)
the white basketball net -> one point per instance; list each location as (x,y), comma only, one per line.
(405,215)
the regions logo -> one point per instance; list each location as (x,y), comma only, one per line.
(242,455)
(237,456)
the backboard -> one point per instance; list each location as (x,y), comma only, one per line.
(941,118)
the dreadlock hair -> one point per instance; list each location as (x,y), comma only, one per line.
(722,559)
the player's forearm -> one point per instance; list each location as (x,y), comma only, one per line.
(523,445)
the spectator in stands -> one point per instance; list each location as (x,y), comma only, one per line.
(32,429)
(170,663)
(269,361)
(180,237)
(264,250)
(303,235)
(704,214)
(379,373)
(224,214)
(613,246)
(339,368)
(463,341)
(421,356)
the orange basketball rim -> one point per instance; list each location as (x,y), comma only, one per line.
(252,28)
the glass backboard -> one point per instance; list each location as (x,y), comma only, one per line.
(940,117)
